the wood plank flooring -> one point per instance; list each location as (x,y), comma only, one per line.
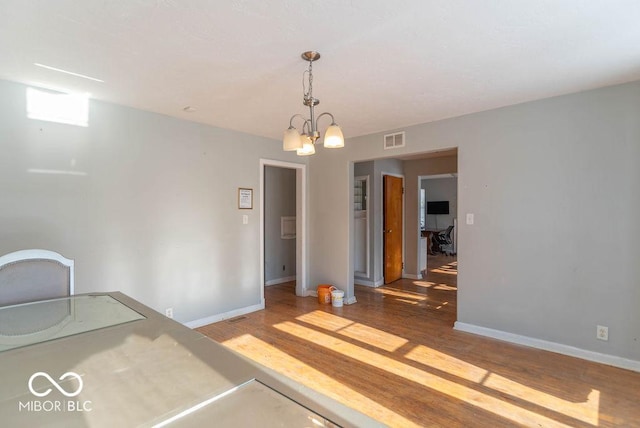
(395,356)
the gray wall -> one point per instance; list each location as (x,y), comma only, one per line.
(555,189)
(280,200)
(156,215)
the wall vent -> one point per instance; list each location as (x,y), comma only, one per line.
(394,141)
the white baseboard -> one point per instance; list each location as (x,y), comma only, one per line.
(280,280)
(559,348)
(411,276)
(368,283)
(221,317)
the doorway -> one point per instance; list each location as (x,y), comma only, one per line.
(410,169)
(438,219)
(279,225)
(285,220)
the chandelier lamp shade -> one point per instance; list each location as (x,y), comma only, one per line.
(304,144)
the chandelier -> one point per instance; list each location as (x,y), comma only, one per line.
(304,143)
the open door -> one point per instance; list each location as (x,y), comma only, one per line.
(392,213)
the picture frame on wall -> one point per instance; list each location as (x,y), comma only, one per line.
(245,198)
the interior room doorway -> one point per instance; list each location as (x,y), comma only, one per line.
(279,225)
(411,258)
(282,224)
(438,218)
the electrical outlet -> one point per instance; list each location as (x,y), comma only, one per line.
(470,218)
(602,332)
(169,312)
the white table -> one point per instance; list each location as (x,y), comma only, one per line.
(107,360)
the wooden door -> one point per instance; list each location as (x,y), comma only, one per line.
(392,220)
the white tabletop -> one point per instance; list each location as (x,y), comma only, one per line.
(144,369)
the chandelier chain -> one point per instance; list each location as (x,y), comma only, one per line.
(307,76)
(311,80)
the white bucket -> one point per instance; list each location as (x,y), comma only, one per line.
(336,298)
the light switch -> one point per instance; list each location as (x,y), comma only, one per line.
(245,219)
(469,218)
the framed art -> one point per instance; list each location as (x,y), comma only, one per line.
(245,198)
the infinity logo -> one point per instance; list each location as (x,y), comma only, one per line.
(54,383)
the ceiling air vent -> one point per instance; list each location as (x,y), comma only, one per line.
(394,141)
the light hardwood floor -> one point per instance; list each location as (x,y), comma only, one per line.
(395,357)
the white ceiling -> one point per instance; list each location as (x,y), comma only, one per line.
(385,64)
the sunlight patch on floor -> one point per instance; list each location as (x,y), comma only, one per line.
(411,302)
(443,362)
(443,304)
(588,411)
(447,271)
(435,286)
(325,320)
(425,284)
(403,294)
(469,395)
(447,268)
(360,332)
(283,363)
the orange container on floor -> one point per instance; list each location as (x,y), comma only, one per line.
(324,293)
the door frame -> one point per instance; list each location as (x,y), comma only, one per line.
(367,271)
(301,223)
(455,218)
(404,252)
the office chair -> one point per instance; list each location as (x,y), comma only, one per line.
(444,241)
